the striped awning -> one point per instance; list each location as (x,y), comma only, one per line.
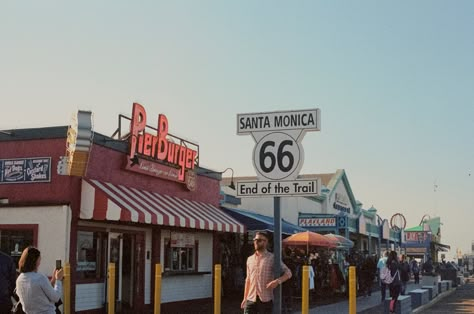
(113,202)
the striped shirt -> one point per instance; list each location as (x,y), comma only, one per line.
(259,274)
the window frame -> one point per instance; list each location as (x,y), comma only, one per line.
(167,255)
(22,227)
(102,269)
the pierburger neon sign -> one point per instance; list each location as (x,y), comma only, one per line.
(162,147)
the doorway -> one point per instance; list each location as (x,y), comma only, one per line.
(122,253)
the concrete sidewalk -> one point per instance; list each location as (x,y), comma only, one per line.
(363,303)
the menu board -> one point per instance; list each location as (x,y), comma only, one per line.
(25,170)
(179,239)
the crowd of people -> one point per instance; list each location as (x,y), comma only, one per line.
(395,272)
(326,277)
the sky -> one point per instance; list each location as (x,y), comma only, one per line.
(394,81)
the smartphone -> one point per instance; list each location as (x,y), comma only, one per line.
(58,264)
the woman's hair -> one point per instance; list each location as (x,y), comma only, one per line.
(392,256)
(28,259)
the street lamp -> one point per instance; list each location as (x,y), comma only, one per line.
(231,185)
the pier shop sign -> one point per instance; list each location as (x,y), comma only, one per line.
(278,154)
(159,153)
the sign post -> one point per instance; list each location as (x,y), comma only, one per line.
(277,158)
(277,253)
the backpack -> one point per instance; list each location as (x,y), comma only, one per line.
(415,269)
(385,275)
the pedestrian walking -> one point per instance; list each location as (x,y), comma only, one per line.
(7,282)
(415,270)
(37,294)
(381,264)
(394,286)
(404,274)
(260,282)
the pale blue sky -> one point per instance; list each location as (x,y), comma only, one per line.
(394,82)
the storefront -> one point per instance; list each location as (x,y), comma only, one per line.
(417,242)
(325,223)
(424,240)
(336,200)
(368,231)
(121,200)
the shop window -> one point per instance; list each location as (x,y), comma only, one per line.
(15,238)
(180,252)
(91,255)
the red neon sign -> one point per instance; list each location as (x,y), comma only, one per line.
(158,146)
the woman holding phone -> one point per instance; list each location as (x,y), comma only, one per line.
(36,292)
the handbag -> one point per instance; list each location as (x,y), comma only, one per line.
(57,305)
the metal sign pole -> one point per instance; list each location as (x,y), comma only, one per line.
(277,253)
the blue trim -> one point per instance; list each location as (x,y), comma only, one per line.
(230,199)
(254,221)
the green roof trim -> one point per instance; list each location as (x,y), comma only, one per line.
(434,224)
(417,229)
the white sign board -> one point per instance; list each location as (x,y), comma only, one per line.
(278,153)
(279,188)
(317,222)
(309,120)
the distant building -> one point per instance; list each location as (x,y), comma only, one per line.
(425,240)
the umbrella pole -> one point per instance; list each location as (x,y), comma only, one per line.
(307,249)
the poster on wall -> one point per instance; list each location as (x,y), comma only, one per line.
(180,239)
(25,170)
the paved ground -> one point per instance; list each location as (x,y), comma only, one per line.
(460,301)
(365,305)
(337,305)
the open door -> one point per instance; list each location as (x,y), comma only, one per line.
(139,271)
(115,256)
(126,250)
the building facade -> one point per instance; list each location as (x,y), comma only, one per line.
(336,211)
(132,214)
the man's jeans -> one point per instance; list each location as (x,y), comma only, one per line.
(258,307)
(404,287)
(383,289)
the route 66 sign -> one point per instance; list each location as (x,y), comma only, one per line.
(278,154)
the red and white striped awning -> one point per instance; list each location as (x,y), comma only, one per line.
(107,201)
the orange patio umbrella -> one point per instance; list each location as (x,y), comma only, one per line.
(308,239)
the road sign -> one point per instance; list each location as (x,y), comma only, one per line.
(309,120)
(278,153)
(277,158)
(279,188)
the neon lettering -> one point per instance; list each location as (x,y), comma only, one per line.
(158,146)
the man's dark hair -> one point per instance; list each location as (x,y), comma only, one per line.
(262,233)
(28,259)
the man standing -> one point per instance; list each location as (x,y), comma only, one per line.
(404,274)
(381,264)
(415,269)
(259,283)
(7,282)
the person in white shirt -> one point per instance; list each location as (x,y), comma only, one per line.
(37,294)
(381,264)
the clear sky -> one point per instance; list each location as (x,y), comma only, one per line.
(394,82)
